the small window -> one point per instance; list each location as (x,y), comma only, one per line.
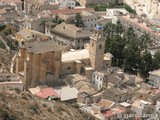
(100,46)
(92,45)
(93,82)
(97,77)
(78,41)
(106,64)
(94,76)
(68,68)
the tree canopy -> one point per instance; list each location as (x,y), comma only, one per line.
(129,50)
(78,20)
(58,20)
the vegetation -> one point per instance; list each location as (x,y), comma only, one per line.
(78,20)
(57,20)
(2,45)
(42,23)
(8,30)
(2,26)
(77,3)
(129,50)
(103,7)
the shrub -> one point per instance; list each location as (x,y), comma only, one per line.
(44,105)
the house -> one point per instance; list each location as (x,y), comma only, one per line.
(105,104)
(18,23)
(154,78)
(86,2)
(34,23)
(148,93)
(67,93)
(70,34)
(32,7)
(84,98)
(114,12)
(81,83)
(48,27)
(114,77)
(116,95)
(104,21)
(10,81)
(17,4)
(89,20)
(72,11)
(26,35)
(98,80)
(142,108)
(158,106)
(8,16)
(44,92)
(67,4)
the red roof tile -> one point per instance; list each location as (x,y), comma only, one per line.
(71,11)
(47,92)
(107,113)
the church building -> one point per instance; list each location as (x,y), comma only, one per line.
(39,58)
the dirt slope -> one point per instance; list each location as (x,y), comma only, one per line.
(23,106)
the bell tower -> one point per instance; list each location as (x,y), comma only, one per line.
(96,48)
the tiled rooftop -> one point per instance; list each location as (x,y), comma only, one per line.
(42,46)
(70,31)
(72,11)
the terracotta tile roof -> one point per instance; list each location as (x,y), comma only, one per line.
(72,11)
(107,113)
(47,92)
(105,103)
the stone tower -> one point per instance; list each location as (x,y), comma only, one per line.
(96,48)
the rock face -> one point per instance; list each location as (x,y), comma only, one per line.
(16,105)
(5,61)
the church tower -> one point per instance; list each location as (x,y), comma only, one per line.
(96,48)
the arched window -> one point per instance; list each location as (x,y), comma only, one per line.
(100,46)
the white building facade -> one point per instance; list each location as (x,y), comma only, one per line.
(158,106)
(66,4)
(154,78)
(89,20)
(97,80)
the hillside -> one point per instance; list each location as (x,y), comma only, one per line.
(16,105)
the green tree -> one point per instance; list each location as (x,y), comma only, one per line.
(156,60)
(127,47)
(146,64)
(8,30)
(57,20)
(78,20)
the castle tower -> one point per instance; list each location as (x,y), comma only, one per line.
(96,48)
